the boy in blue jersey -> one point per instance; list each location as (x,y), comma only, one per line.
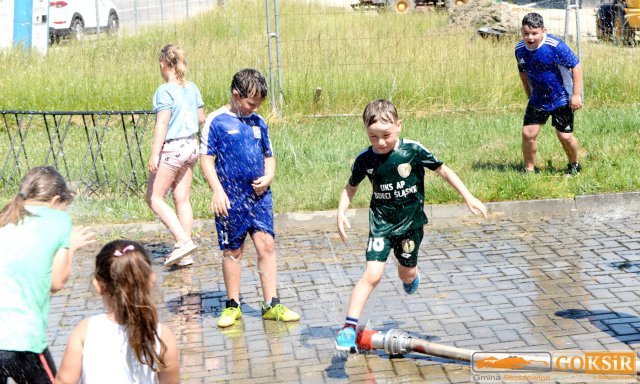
(395,168)
(552,79)
(237,160)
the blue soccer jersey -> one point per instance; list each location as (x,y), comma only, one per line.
(240,145)
(548,69)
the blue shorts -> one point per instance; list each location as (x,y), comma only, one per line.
(256,214)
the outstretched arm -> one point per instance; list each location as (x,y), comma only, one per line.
(345,199)
(474,205)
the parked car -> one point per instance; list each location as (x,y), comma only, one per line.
(75,18)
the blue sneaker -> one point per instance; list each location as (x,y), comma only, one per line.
(413,287)
(346,340)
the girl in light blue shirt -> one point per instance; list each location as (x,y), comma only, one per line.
(174,151)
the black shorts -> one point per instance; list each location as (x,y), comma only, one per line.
(405,247)
(561,117)
(27,367)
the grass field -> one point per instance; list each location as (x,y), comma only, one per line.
(314,157)
(457,94)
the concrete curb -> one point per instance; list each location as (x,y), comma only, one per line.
(458,211)
(448,212)
(435,213)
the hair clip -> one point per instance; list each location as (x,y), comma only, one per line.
(124,250)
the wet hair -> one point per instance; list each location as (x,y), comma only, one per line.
(249,82)
(123,268)
(380,110)
(533,20)
(40,184)
(172,56)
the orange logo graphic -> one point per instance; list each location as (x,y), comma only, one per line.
(511,362)
(493,362)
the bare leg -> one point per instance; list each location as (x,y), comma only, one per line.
(530,145)
(362,290)
(157,188)
(181,193)
(231,270)
(569,145)
(406,274)
(267,264)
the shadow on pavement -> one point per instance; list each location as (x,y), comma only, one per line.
(195,304)
(619,325)
(629,266)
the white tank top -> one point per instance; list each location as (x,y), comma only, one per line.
(107,357)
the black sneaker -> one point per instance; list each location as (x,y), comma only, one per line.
(573,169)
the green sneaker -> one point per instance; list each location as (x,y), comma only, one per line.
(229,316)
(278,313)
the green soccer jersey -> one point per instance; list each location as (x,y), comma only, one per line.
(397,178)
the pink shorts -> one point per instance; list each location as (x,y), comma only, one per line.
(179,153)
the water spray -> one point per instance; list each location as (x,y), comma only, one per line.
(396,342)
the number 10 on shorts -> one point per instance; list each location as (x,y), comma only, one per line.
(376,244)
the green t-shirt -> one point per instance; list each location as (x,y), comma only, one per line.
(25,276)
(397,178)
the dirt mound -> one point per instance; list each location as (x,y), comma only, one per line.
(484,13)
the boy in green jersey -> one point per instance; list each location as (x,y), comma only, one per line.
(395,168)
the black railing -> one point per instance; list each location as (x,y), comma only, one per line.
(98,152)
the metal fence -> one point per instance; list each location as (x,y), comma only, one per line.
(99,153)
(136,14)
(313,55)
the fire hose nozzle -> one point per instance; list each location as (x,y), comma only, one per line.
(394,341)
(364,339)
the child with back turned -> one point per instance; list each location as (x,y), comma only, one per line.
(395,167)
(126,344)
(174,151)
(237,161)
(38,246)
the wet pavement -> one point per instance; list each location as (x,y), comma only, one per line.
(535,276)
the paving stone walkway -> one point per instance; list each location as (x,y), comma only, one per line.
(540,281)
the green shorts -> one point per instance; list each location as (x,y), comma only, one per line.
(405,247)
